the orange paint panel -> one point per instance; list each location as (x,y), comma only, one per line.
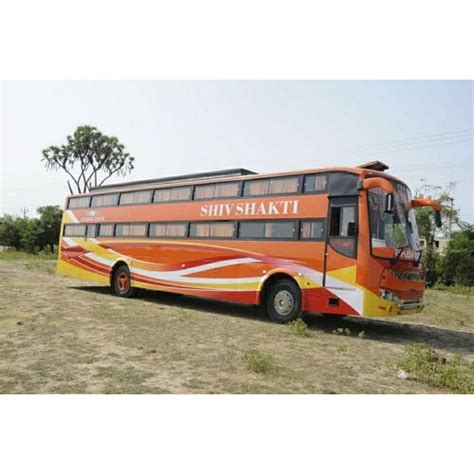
(276,207)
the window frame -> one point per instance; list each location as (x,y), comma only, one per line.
(165,237)
(154,191)
(113,224)
(309,193)
(151,191)
(107,205)
(147,229)
(312,239)
(237,196)
(75,225)
(343,201)
(269,221)
(79,197)
(269,179)
(234,230)
(96,229)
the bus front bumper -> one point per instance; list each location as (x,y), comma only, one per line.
(400,306)
(410,307)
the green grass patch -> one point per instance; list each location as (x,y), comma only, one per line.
(11,254)
(299,328)
(426,365)
(259,362)
(48,266)
(455,289)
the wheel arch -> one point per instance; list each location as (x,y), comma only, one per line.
(271,278)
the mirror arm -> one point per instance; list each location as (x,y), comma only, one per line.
(376,182)
(423,202)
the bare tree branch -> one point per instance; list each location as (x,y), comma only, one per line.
(91,153)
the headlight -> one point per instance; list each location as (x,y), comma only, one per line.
(389,296)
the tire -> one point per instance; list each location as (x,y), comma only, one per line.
(122,282)
(283,301)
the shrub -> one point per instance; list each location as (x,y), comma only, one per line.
(342,332)
(32,235)
(259,362)
(424,364)
(457,265)
(299,328)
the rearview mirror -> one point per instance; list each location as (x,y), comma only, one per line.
(438,218)
(389,203)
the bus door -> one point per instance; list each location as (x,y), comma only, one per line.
(340,257)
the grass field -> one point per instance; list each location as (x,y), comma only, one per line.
(58,335)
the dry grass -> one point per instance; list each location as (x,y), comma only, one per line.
(59,335)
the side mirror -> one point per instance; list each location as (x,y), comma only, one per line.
(389,200)
(351,229)
(438,218)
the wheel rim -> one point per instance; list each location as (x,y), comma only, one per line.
(122,280)
(284,303)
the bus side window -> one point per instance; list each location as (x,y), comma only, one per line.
(91,230)
(342,230)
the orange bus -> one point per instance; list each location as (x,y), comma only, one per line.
(339,241)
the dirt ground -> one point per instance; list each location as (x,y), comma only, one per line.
(58,335)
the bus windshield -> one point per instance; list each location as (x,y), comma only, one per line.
(394,231)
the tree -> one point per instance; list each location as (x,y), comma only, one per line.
(425,220)
(89,158)
(457,265)
(32,235)
(49,226)
(425,216)
(10,232)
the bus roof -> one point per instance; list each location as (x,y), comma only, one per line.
(233,174)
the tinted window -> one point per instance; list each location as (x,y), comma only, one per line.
(91,230)
(106,230)
(222,229)
(209,191)
(211,229)
(199,229)
(312,230)
(74,230)
(251,230)
(204,192)
(267,230)
(315,183)
(130,230)
(279,230)
(136,197)
(260,187)
(168,230)
(284,185)
(76,202)
(104,200)
(172,194)
(257,187)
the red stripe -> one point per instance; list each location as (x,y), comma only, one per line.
(86,267)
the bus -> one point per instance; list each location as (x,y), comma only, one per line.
(336,240)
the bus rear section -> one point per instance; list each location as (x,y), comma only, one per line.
(293,242)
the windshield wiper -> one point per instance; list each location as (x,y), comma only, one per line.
(399,254)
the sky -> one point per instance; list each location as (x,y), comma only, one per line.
(421,129)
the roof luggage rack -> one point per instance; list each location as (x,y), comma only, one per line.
(176,179)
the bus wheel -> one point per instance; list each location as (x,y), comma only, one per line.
(283,301)
(122,282)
